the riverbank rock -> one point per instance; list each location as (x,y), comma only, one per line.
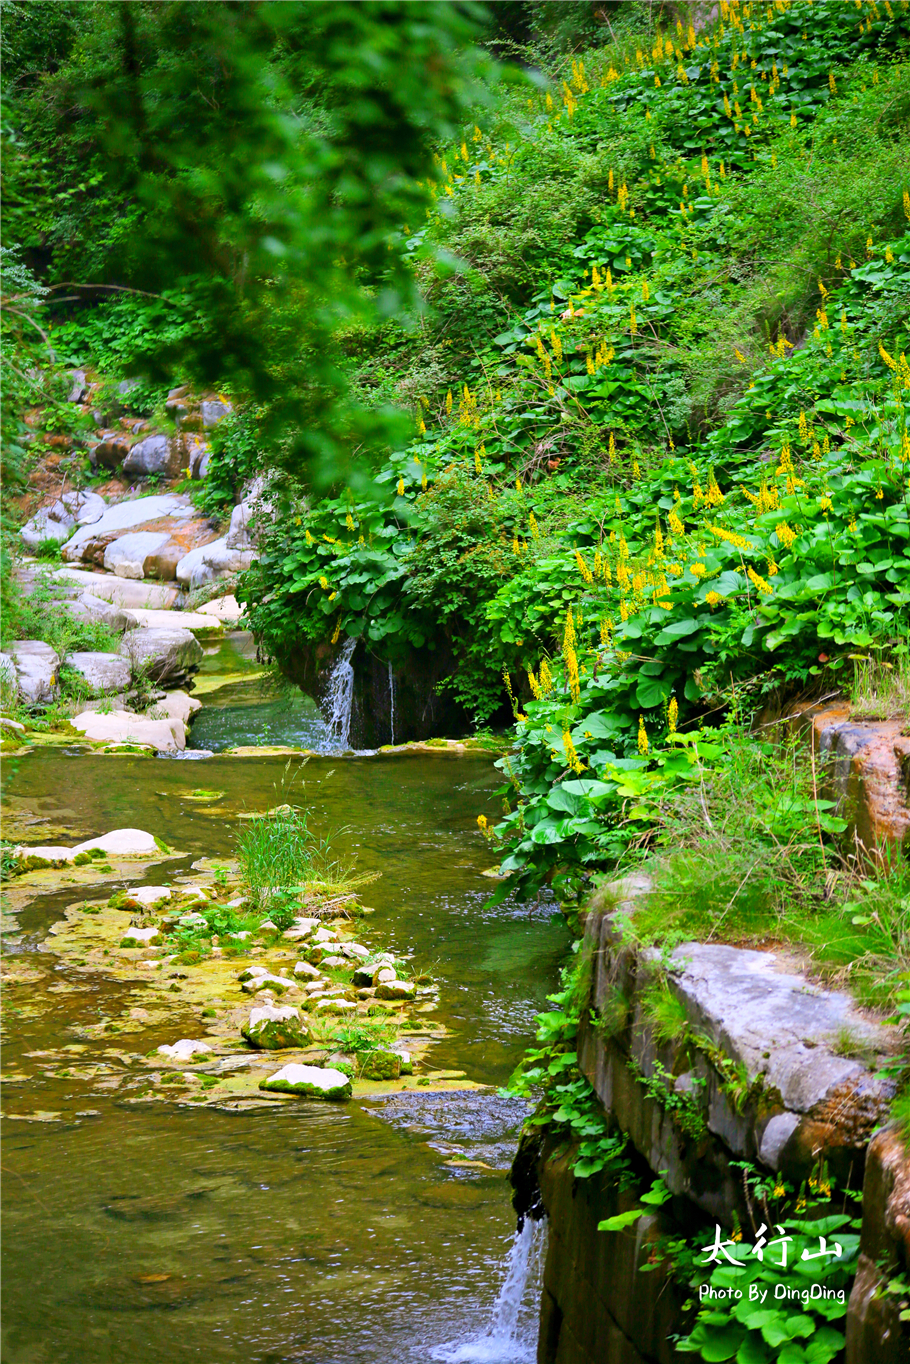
(35,665)
(207,563)
(119,592)
(92,540)
(162,455)
(104,673)
(162,655)
(128,556)
(176,705)
(266,981)
(274,1027)
(177,620)
(86,606)
(225,609)
(310,1082)
(58,521)
(126,727)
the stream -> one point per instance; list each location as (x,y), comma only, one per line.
(307,1233)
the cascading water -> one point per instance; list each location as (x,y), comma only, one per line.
(511,1337)
(340,695)
(392,703)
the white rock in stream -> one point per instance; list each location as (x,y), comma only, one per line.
(175,620)
(354,949)
(139,937)
(126,557)
(274,1027)
(185,1048)
(176,705)
(303,968)
(147,896)
(309,1081)
(118,843)
(280,984)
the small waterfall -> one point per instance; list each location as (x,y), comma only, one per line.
(511,1337)
(340,695)
(392,703)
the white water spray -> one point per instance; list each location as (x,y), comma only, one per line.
(392,703)
(340,695)
(511,1337)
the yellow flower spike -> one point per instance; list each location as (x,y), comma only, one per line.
(739,355)
(309,539)
(535,686)
(642,737)
(730,537)
(583,569)
(482,823)
(675,524)
(672,714)
(546,678)
(572,757)
(401,487)
(332,596)
(907,205)
(645,292)
(337,631)
(423,482)
(535,532)
(324,583)
(612,448)
(633,322)
(477,465)
(697,570)
(758,581)
(636,470)
(449,403)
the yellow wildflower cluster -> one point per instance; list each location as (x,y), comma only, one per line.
(642,737)
(785,534)
(758,581)
(583,569)
(572,757)
(730,537)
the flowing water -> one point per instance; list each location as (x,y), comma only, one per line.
(304,1234)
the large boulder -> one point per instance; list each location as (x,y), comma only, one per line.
(88,607)
(213,411)
(126,727)
(128,555)
(209,562)
(176,705)
(311,1082)
(225,609)
(177,620)
(248,516)
(125,593)
(104,673)
(110,451)
(273,1027)
(162,455)
(36,667)
(58,521)
(162,655)
(90,540)
(79,389)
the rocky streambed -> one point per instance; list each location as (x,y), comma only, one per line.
(160,1185)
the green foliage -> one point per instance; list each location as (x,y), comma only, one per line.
(683,1106)
(777,1314)
(40,615)
(246,170)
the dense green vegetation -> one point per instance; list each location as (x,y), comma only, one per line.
(644,314)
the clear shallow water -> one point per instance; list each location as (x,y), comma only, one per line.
(305,1235)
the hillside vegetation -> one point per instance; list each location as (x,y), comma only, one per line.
(645,310)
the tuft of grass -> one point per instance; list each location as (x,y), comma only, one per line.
(881,688)
(664,1012)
